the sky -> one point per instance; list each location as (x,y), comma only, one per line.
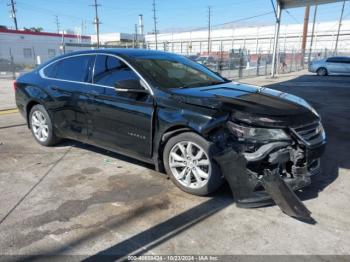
(172,15)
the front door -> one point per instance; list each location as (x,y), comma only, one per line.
(118,120)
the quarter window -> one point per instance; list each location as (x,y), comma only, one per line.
(109,70)
(51,70)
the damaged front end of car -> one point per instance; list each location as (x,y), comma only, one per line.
(267,164)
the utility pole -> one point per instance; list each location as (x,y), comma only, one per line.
(209,28)
(141,30)
(278,14)
(312,34)
(339,26)
(155,23)
(57,24)
(136,37)
(305,29)
(13,13)
(97,23)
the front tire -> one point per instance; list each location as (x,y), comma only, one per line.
(188,161)
(322,71)
(41,126)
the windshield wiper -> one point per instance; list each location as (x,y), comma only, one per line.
(212,83)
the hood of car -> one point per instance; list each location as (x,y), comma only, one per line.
(250,103)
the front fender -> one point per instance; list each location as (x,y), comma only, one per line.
(173,119)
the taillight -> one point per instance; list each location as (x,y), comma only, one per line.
(15,86)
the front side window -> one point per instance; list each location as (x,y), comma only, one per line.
(72,68)
(171,71)
(109,70)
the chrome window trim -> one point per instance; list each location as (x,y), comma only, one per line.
(146,84)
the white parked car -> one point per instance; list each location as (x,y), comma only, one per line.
(337,65)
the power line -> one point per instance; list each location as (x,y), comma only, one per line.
(232,22)
(155,23)
(13,13)
(45,10)
(292,16)
(97,22)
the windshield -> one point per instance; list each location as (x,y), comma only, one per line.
(170,71)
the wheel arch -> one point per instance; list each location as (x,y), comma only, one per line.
(29,107)
(164,138)
(322,67)
(203,128)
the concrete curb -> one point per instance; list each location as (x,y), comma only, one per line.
(8,111)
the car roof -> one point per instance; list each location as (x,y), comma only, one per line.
(131,52)
(123,52)
(339,57)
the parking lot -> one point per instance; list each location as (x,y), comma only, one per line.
(75,199)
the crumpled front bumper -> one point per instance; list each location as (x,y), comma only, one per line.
(258,179)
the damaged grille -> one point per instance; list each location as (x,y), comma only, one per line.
(310,134)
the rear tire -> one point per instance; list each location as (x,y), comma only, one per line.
(41,126)
(322,71)
(188,161)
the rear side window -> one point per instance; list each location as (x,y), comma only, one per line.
(73,68)
(109,70)
(335,60)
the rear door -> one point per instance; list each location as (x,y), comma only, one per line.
(336,65)
(68,78)
(119,120)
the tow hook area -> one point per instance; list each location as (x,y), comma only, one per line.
(251,189)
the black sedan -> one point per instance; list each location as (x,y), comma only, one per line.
(167,110)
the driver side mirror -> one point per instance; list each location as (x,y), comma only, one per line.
(131,85)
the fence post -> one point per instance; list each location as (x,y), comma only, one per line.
(240,69)
(12,65)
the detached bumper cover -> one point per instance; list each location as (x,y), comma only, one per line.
(252,189)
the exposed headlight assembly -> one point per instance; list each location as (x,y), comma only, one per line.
(257,133)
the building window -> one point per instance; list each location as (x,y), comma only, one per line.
(27,52)
(52,52)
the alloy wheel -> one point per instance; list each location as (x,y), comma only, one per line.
(40,126)
(189,164)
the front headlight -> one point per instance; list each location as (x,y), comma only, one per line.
(257,133)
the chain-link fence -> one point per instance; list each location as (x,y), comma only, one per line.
(232,63)
(17,58)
